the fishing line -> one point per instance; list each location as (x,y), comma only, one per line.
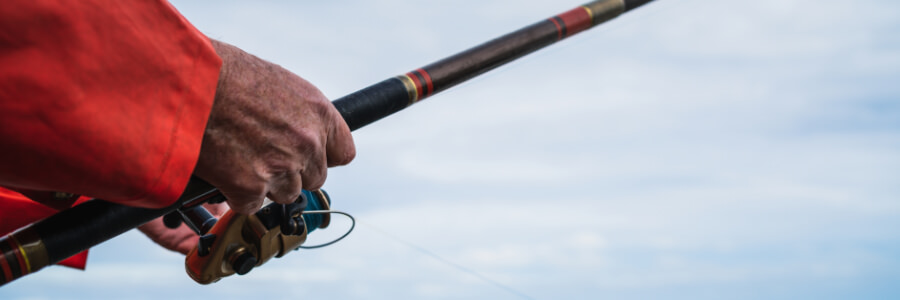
(320,212)
(418,248)
(449,263)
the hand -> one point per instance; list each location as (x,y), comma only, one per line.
(181,239)
(270,133)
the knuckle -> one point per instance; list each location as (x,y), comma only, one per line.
(343,157)
(305,142)
(307,137)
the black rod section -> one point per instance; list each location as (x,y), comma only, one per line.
(632,4)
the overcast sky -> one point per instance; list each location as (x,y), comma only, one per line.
(686,150)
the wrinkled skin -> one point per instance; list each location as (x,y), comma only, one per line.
(270,134)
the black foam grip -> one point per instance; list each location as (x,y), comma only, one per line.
(372,103)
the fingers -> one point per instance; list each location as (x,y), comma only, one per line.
(285,188)
(282,187)
(339,147)
(244,202)
(181,239)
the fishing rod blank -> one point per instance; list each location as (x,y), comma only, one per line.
(394,94)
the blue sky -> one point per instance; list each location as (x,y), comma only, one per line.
(687,150)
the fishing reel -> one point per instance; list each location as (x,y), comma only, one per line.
(238,243)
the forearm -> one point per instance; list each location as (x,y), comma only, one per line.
(106,103)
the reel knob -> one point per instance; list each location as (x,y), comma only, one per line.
(172,220)
(242,261)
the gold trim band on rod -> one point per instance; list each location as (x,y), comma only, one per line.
(411,88)
(604,10)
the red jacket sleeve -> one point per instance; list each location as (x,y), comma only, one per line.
(102,98)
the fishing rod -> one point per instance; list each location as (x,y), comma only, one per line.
(237,243)
(394,94)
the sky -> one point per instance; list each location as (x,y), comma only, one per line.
(689,149)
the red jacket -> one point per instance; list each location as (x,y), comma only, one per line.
(102,98)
